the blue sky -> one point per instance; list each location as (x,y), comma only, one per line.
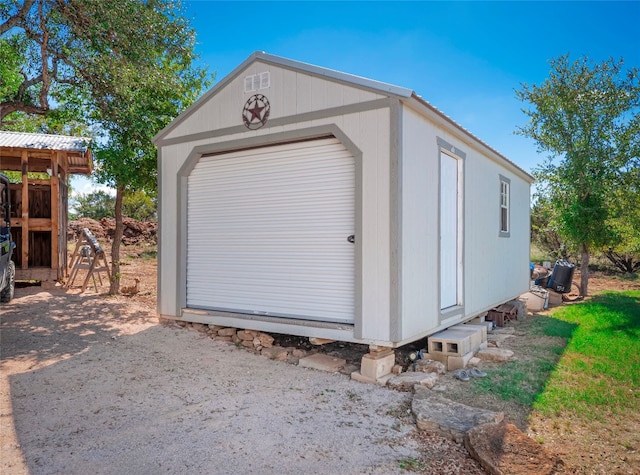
(465,58)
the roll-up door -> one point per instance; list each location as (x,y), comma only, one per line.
(268,231)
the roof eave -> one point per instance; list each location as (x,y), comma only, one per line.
(440,116)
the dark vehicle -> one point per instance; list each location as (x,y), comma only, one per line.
(7,266)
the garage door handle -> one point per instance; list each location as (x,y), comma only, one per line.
(352,238)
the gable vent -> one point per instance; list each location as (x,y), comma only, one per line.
(257,82)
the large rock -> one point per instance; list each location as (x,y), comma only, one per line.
(501,448)
(430,366)
(450,419)
(495,354)
(406,381)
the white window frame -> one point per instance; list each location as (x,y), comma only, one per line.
(257,82)
(505,207)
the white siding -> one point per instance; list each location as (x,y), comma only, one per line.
(495,269)
(420,234)
(290,93)
(370,133)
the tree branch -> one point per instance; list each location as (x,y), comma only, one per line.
(8,107)
(14,20)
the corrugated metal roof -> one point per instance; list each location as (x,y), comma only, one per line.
(44,141)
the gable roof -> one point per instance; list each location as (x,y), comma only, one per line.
(402,93)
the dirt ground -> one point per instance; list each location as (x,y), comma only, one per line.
(94,384)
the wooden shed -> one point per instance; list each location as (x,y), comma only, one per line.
(39,206)
(301,200)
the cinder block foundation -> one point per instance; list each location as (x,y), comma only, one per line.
(459,362)
(455,346)
(450,342)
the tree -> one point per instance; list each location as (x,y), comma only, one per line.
(124,66)
(624,251)
(96,205)
(587,117)
(544,230)
(140,205)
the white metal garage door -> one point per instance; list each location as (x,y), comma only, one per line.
(268,229)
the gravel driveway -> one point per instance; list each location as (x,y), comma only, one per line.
(93,385)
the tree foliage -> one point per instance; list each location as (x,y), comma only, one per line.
(545,233)
(99,204)
(124,66)
(586,116)
(95,205)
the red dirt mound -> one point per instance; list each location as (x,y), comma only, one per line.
(135,232)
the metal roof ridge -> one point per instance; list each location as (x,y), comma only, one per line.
(45,135)
(349,78)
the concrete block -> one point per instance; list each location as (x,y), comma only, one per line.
(459,362)
(450,342)
(481,329)
(374,367)
(440,357)
(477,320)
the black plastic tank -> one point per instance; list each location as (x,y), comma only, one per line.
(561,277)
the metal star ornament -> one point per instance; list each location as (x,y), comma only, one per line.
(256,112)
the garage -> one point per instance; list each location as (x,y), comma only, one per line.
(270,231)
(300,200)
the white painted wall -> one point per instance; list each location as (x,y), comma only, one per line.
(495,269)
(290,93)
(368,130)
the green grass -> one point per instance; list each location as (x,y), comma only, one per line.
(599,372)
(522,380)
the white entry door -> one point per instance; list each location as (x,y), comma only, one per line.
(268,232)
(450,263)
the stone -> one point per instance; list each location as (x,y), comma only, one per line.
(430,381)
(235,339)
(275,353)
(435,413)
(266,341)
(226,331)
(382,381)
(215,327)
(322,362)
(397,369)
(474,361)
(247,343)
(495,354)
(245,335)
(222,338)
(199,327)
(319,341)
(406,381)
(256,342)
(430,366)
(298,353)
(501,448)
